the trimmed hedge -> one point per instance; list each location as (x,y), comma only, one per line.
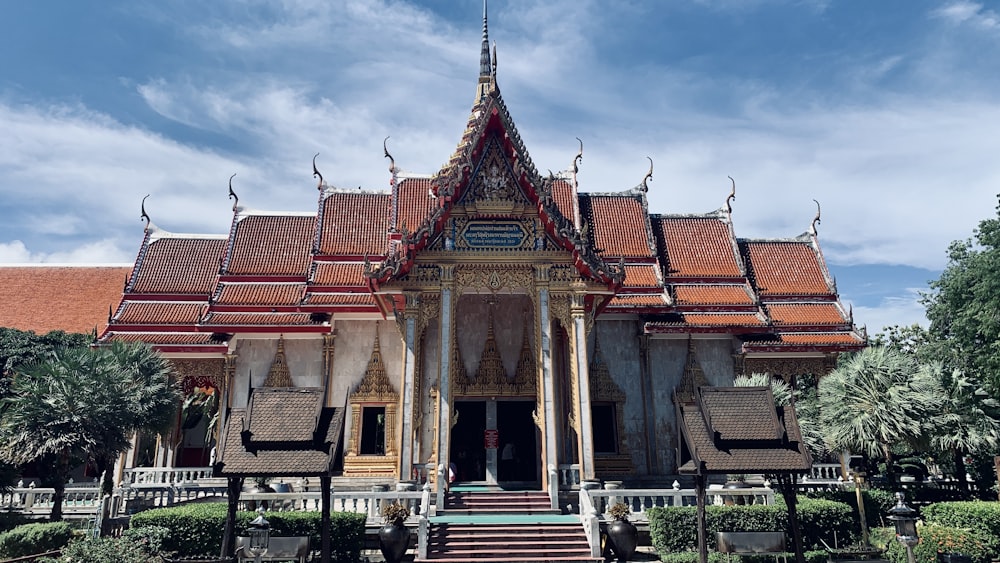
(30,539)
(137,545)
(196,529)
(11,520)
(975,515)
(715,557)
(675,529)
(936,539)
(877,504)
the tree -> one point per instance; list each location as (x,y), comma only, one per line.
(876,399)
(83,406)
(967,423)
(20,347)
(963,303)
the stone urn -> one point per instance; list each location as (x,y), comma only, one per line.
(394,536)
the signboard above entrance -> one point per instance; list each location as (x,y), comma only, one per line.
(490,234)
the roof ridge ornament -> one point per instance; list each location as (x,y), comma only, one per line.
(731,197)
(815,221)
(577,159)
(649,176)
(316,174)
(392,161)
(232,194)
(144,216)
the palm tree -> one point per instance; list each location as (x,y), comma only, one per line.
(83,406)
(968,421)
(876,399)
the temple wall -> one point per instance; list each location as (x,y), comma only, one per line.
(510,316)
(620,349)
(354,343)
(254,357)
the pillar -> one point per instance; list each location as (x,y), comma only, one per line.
(547,409)
(444,380)
(407,389)
(581,375)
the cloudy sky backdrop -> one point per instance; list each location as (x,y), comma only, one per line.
(885,112)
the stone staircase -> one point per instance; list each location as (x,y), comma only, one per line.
(480,527)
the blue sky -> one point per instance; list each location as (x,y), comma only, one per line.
(885,112)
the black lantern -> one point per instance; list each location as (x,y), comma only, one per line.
(905,520)
(260,534)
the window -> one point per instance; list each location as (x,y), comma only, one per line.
(373,431)
(605,424)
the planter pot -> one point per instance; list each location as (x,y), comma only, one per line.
(623,539)
(393,540)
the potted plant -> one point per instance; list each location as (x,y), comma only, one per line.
(394,536)
(622,534)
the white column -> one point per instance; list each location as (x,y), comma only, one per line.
(444,390)
(491,453)
(586,439)
(548,406)
(408,391)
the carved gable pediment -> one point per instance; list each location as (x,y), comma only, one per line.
(278,375)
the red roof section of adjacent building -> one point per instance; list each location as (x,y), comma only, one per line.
(786,268)
(68,298)
(722,319)
(272,245)
(820,338)
(340,299)
(158,272)
(415,203)
(355,223)
(638,300)
(618,225)
(805,314)
(349,274)
(273,294)
(258,319)
(165,338)
(698,247)
(566,202)
(156,312)
(641,275)
(714,294)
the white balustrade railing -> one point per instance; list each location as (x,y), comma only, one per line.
(78,500)
(569,475)
(596,502)
(827,472)
(164,475)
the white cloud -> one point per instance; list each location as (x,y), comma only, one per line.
(972,13)
(903,309)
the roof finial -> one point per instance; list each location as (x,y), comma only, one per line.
(731,197)
(144,216)
(815,221)
(316,173)
(392,161)
(232,194)
(578,158)
(648,177)
(484,57)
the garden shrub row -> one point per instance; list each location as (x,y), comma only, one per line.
(814,556)
(196,529)
(136,545)
(877,504)
(936,539)
(674,529)
(976,515)
(31,539)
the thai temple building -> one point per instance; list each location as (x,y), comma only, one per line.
(505,323)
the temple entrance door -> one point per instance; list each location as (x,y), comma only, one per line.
(468,451)
(518,452)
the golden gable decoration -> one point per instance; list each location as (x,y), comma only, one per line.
(526,374)
(603,389)
(278,375)
(374,391)
(494,189)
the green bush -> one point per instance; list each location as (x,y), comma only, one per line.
(29,539)
(981,516)
(715,557)
(877,504)
(936,539)
(11,520)
(674,529)
(196,529)
(137,545)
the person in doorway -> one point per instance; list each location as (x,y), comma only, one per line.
(507,456)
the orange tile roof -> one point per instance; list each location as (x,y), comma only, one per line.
(340,299)
(272,245)
(641,275)
(713,294)
(618,224)
(272,294)
(722,319)
(805,314)
(642,300)
(339,274)
(355,223)
(159,271)
(69,298)
(562,194)
(786,268)
(820,338)
(698,247)
(414,204)
(160,312)
(258,319)
(168,338)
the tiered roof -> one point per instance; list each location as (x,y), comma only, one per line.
(294,272)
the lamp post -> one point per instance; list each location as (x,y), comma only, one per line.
(260,535)
(906,525)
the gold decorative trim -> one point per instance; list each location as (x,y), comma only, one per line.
(494,278)
(692,379)
(375,389)
(278,375)
(603,389)
(526,374)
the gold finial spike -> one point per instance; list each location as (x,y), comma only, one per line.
(648,177)
(815,221)
(316,173)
